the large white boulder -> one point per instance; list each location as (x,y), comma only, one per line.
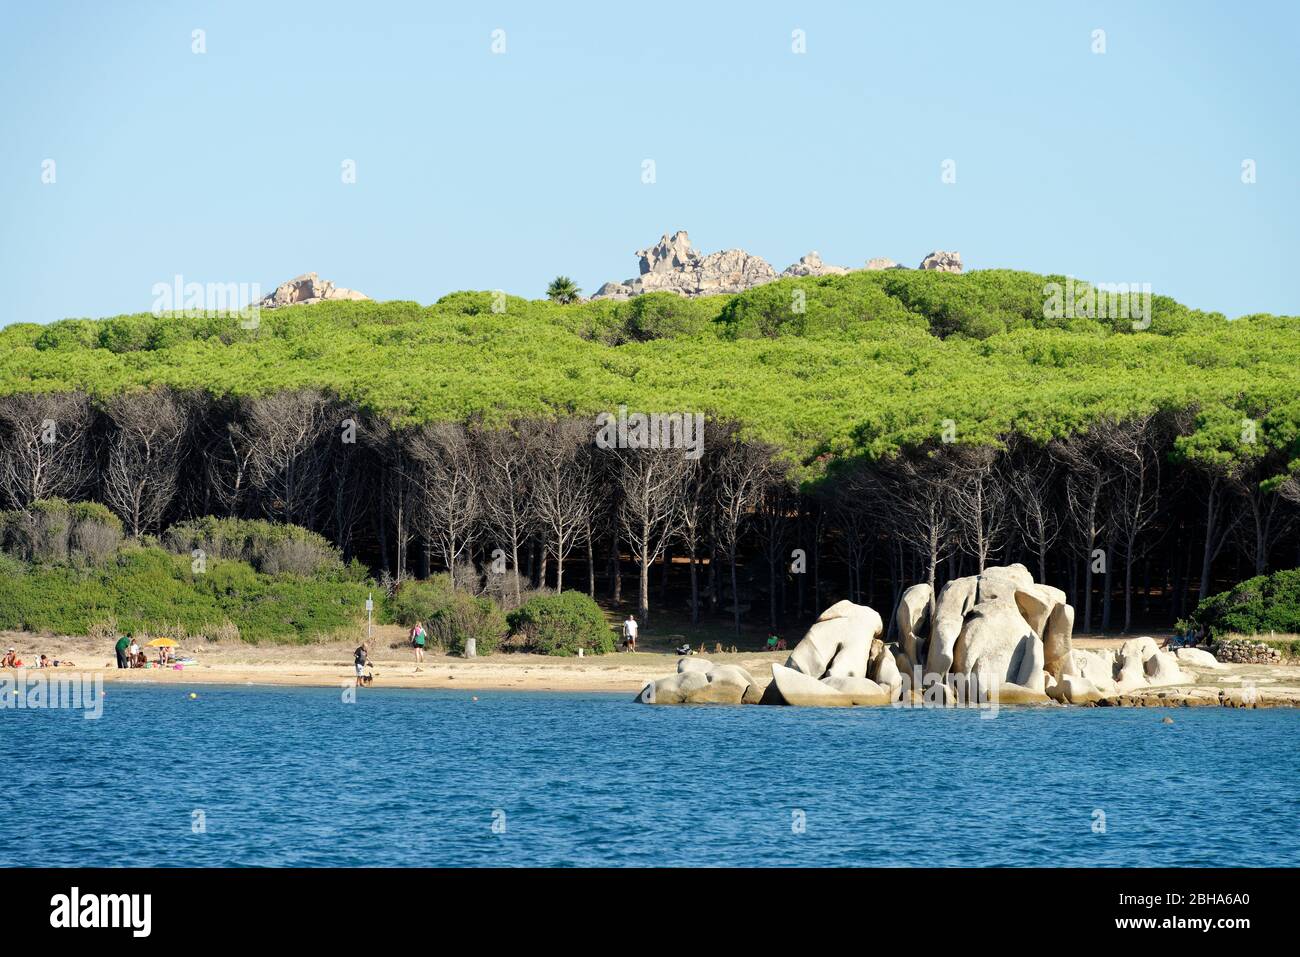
(675,689)
(721,684)
(1057,640)
(1097,666)
(796,688)
(1016,571)
(913,621)
(996,645)
(1132,673)
(1139,648)
(1197,658)
(1076,689)
(942,644)
(691,663)
(886,674)
(957,597)
(1162,669)
(839,644)
(1011,693)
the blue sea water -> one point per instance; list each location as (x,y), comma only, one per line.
(294,776)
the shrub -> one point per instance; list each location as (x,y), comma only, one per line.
(52,531)
(561,624)
(450,617)
(503,587)
(103,631)
(96,532)
(663,315)
(150,591)
(40,532)
(1267,603)
(270,547)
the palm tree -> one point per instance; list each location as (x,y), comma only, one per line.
(562,290)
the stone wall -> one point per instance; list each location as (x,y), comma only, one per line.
(1244,651)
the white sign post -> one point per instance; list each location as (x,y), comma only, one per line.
(370,607)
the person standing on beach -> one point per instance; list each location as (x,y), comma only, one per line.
(361,657)
(122,645)
(629,633)
(418,639)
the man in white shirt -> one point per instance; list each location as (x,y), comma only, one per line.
(629,633)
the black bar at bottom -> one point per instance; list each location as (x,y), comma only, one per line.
(613,907)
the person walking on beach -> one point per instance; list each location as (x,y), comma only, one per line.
(122,645)
(418,638)
(629,633)
(361,657)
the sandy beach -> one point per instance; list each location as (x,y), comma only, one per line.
(329,664)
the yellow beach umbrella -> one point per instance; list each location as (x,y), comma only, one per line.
(163,643)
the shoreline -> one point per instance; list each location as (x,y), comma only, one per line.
(329,665)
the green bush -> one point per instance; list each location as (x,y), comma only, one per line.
(148,589)
(663,315)
(450,617)
(561,624)
(1267,603)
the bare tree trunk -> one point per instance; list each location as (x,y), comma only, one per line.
(695,590)
(735,590)
(616,560)
(643,586)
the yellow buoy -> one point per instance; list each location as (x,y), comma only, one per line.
(193,695)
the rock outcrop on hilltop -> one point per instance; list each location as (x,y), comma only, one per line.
(673,265)
(941,261)
(812,265)
(305,290)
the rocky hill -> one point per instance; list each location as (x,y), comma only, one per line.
(307,289)
(673,265)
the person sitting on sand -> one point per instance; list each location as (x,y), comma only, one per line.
(44,662)
(139,659)
(361,658)
(418,638)
(771,642)
(10,660)
(780,644)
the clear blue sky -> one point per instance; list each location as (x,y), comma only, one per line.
(483,171)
